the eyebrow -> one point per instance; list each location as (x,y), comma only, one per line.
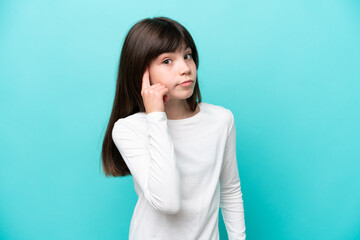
(174,52)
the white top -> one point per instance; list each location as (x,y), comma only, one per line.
(183,171)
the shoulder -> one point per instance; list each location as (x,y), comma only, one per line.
(132,123)
(218,112)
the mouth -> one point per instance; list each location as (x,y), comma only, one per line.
(187,81)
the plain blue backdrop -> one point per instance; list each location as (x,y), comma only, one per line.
(288,70)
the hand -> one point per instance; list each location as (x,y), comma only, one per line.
(154,96)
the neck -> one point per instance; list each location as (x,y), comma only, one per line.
(177,109)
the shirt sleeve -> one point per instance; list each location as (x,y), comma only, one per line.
(154,166)
(231,202)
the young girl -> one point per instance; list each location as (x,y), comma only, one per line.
(181,152)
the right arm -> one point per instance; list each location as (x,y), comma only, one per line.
(154,167)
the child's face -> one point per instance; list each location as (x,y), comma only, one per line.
(171,69)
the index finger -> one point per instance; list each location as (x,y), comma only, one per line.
(146,79)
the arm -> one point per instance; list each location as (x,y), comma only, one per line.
(154,168)
(231,202)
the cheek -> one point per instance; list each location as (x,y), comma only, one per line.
(158,75)
(193,67)
(154,76)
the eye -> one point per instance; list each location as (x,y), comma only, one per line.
(166,61)
(190,55)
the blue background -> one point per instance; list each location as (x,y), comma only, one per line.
(288,70)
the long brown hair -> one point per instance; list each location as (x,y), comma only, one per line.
(146,40)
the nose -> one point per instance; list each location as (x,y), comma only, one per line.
(184,67)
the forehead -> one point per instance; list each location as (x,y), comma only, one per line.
(183,47)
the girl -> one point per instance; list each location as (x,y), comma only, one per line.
(181,152)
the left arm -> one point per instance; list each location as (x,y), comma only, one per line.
(231,202)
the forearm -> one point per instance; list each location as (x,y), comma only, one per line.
(164,177)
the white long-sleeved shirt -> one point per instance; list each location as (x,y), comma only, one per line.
(183,171)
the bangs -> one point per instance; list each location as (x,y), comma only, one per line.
(168,39)
(152,37)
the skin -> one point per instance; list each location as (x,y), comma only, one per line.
(160,88)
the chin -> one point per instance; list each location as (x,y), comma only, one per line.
(182,96)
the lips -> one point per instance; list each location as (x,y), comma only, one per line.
(186,81)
